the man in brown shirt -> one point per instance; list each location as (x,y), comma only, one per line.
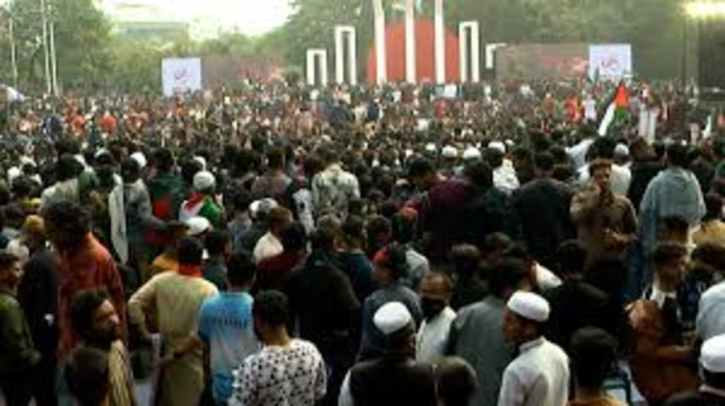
(606,223)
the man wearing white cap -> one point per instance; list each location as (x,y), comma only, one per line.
(202,202)
(394,379)
(449,160)
(540,374)
(471,153)
(712,392)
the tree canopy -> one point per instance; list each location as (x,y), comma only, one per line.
(90,56)
(653,27)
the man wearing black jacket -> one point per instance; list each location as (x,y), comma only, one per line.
(576,304)
(324,307)
(38,296)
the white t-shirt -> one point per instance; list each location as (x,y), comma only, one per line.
(268,246)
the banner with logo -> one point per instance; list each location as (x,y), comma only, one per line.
(181,75)
(611,61)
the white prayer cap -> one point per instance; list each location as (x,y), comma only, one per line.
(471,154)
(101,152)
(392,318)
(198,225)
(204,181)
(80,159)
(140,159)
(263,206)
(529,306)
(430,147)
(498,145)
(449,152)
(712,354)
(621,150)
(14,173)
(26,160)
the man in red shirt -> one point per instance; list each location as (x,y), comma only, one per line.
(107,123)
(84,264)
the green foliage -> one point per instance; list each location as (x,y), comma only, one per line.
(653,27)
(136,65)
(82,34)
(90,57)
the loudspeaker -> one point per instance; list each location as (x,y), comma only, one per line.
(711,57)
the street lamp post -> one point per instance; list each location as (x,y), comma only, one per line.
(13,49)
(46,51)
(699,10)
(685,49)
(53,60)
(705,9)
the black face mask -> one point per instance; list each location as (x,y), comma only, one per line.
(105,174)
(431,307)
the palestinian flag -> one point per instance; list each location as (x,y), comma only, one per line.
(617,111)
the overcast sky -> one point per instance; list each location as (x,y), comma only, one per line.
(251,17)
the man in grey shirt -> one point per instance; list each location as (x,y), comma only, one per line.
(476,334)
(390,267)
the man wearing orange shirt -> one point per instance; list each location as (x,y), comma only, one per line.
(84,264)
(107,123)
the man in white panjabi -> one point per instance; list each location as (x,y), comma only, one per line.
(432,337)
(539,376)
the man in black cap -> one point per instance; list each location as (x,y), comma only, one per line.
(593,353)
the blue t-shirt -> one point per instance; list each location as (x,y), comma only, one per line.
(225,325)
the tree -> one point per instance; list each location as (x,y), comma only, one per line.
(82,35)
(136,66)
(653,27)
(312,26)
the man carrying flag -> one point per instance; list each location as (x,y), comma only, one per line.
(617,111)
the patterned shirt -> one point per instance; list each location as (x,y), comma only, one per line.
(282,376)
(332,190)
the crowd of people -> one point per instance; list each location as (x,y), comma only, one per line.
(280,245)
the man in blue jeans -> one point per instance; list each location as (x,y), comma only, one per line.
(226,328)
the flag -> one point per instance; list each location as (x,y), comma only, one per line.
(617,111)
(708,129)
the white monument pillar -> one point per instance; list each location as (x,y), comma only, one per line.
(312,56)
(340,32)
(410,59)
(440,43)
(380,48)
(491,55)
(470,62)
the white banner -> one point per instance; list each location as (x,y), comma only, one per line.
(181,75)
(612,62)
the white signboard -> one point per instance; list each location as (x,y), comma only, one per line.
(612,62)
(181,75)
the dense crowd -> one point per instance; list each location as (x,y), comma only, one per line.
(401,245)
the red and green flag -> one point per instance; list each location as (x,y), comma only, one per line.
(617,111)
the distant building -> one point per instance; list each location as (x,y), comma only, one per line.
(152,30)
(140,19)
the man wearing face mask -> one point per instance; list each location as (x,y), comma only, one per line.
(432,339)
